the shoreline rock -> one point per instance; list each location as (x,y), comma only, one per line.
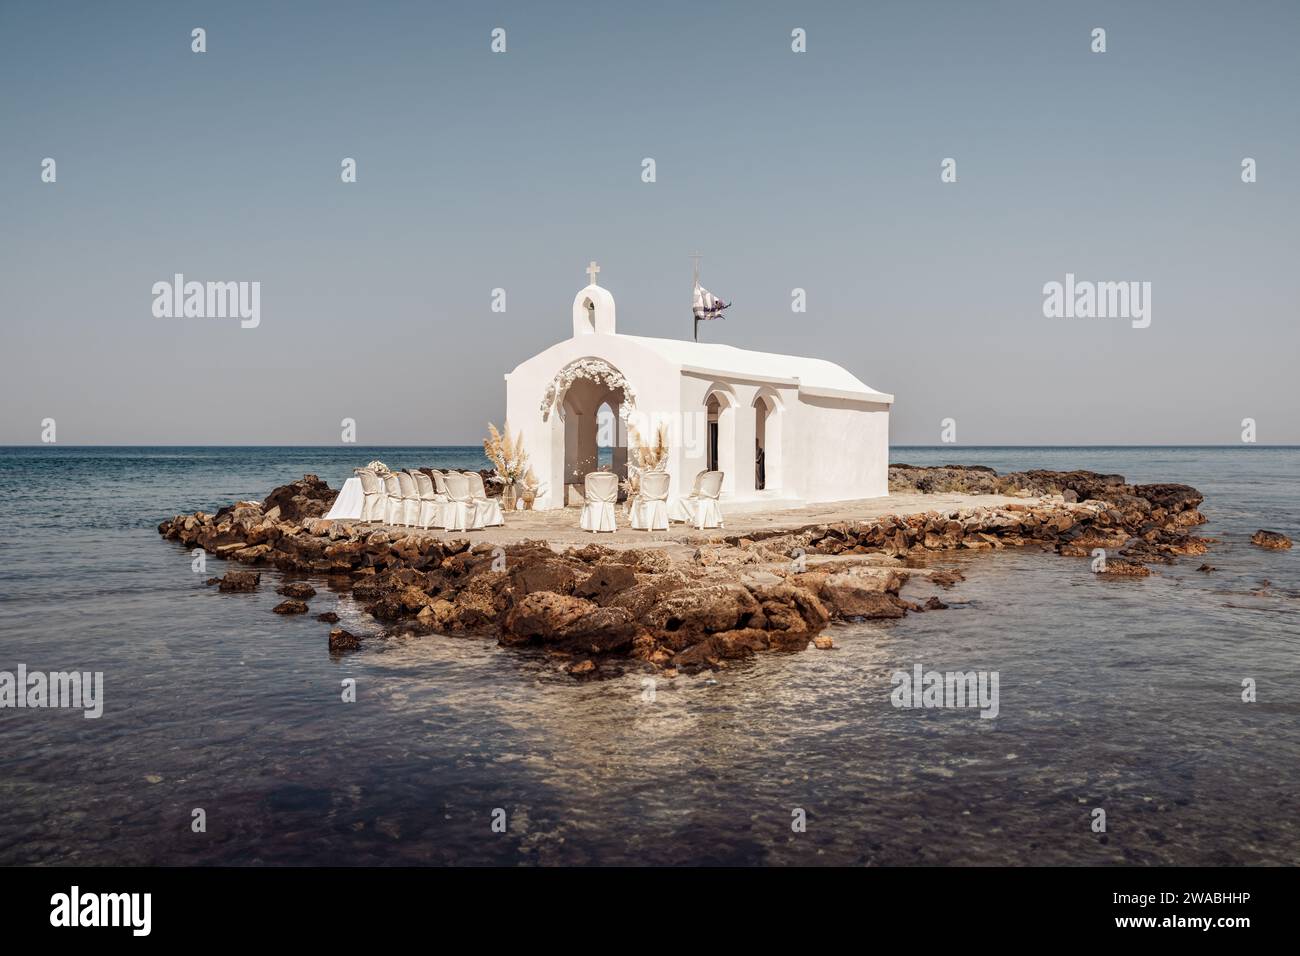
(735,597)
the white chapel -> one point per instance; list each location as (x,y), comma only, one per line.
(785,430)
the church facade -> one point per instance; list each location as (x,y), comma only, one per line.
(785,430)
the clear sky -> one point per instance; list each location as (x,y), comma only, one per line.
(478,170)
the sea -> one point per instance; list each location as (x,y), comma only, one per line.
(1139,721)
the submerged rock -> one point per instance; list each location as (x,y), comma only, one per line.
(1273,540)
(1130,569)
(237,581)
(341,640)
(297,589)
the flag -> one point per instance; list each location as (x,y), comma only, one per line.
(707,305)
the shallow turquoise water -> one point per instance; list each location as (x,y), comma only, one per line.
(1120,695)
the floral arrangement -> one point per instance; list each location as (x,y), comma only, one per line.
(650,457)
(595,370)
(507,456)
(379,468)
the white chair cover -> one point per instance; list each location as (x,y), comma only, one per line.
(393,495)
(680,508)
(650,507)
(489,509)
(701,508)
(706,511)
(374,499)
(440,493)
(410,499)
(460,512)
(601,491)
(430,507)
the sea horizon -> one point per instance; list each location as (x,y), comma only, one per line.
(1231,445)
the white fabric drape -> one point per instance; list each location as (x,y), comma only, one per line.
(678,510)
(489,509)
(410,499)
(375,502)
(601,491)
(460,513)
(350,503)
(650,507)
(393,505)
(430,505)
(701,508)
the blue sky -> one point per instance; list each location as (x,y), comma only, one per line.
(816,170)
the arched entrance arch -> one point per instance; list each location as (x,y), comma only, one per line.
(578,392)
(720,434)
(768,421)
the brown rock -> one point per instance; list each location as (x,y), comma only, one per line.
(551,618)
(947,577)
(823,642)
(551,574)
(290,607)
(297,589)
(329,617)
(341,640)
(308,497)
(605,582)
(706,653)
(1131,569)
(739,644)
(685,616)
(866,604)
(237,581)
(1273,540)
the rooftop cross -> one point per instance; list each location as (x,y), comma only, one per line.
(592,271)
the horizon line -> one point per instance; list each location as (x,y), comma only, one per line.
(477,443)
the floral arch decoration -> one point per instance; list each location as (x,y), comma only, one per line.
(595,370)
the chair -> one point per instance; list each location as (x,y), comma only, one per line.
(650,506)
(430,502)
(460,512)
(680,508)
(373,498)
(600,489)
(706,510)
(410,499)
(489,509)
(393,495)
(701,508)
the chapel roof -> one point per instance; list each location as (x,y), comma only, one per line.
(813,376)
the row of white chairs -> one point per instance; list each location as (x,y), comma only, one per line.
(413,498)
(649,508)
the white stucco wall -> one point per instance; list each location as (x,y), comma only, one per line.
(842,448)
(653,380)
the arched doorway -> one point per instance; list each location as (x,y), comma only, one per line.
(571,405)
(713,411)
(595,436)
(767,442)
(720,435)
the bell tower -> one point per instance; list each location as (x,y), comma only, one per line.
(593,308)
